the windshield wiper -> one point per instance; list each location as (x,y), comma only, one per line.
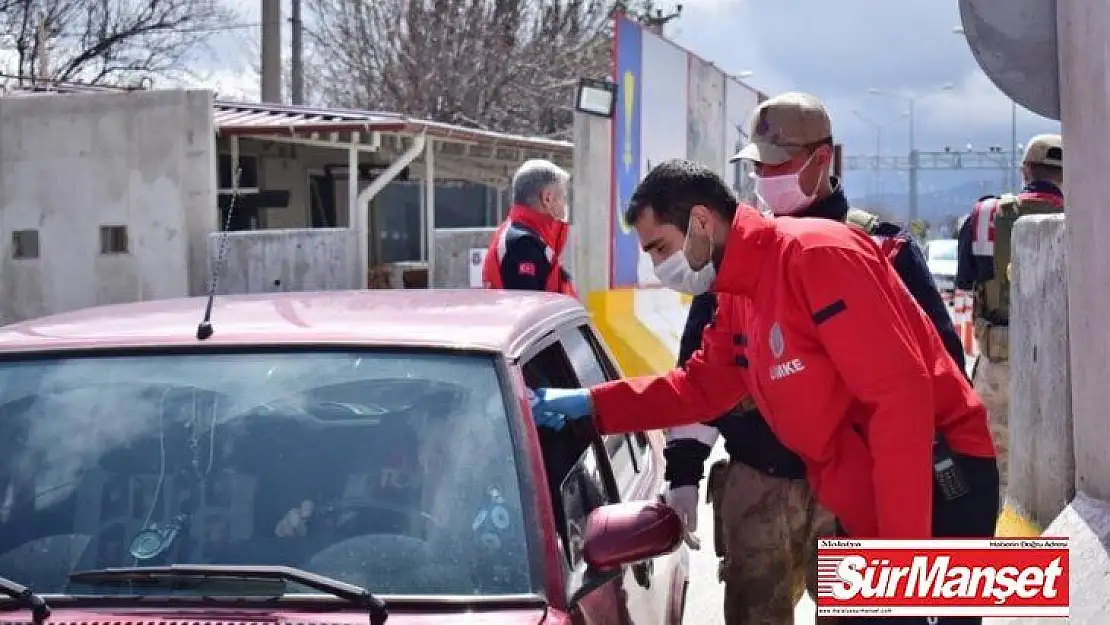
(27,599)
(356,595)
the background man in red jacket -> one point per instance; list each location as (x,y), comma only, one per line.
(526,249)
(894,440)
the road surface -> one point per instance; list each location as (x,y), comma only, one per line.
(703,603)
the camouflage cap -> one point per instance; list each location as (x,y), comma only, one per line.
(782,125)
(1045,150)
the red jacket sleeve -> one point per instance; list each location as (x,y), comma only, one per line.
(709,386)
(862,317)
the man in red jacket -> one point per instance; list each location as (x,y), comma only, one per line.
(875,421)
(525,250)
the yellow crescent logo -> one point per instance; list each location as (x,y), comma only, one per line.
(628,83)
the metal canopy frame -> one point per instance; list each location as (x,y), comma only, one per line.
(479,156)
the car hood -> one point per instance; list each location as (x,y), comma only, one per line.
(224,616)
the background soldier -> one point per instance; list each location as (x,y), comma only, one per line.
(983,267)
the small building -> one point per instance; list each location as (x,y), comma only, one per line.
(109,196)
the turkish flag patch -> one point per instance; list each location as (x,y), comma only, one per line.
(526,268)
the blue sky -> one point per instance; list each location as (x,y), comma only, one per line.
(835,50)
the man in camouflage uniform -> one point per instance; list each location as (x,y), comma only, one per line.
(984,267)
(766,519)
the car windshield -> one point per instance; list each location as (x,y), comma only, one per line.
(390,470)
(942,250)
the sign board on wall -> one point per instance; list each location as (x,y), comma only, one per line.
(624,252)
(477,259)
(670,104)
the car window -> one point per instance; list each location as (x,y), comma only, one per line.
(569,454)
(943,250)
(582,356)
(581,492)
(626,451)
(392,470)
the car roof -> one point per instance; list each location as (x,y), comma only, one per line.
(476,319)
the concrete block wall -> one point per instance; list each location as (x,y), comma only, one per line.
(589,243)
(1042,465)
(71,164)
(453,246)
(268,261)
(1083,28)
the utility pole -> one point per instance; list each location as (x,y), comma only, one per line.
(271,51)
(42,72)
(1012,178)
(913,167)
(297,89)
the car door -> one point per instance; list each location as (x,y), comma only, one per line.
(579,482)
(653,589)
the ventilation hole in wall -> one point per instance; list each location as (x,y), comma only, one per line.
(25,244)
(113,240)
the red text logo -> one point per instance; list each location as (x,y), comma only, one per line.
(984,577)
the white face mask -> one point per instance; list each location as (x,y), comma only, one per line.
(782,194)
(675,273)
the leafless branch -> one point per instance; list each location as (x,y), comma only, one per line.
(506,65)
(105,41)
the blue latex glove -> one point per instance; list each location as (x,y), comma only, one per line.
(553,407)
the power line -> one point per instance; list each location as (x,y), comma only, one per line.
(184,31)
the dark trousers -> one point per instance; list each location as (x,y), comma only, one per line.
(972,516)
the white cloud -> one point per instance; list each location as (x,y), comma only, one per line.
(226,84)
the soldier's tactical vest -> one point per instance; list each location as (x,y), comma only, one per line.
(870,223)
(992,225)
(862,219)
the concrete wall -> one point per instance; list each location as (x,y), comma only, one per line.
(1083,28)
(452,270)
(70,164)
(265,261)
(1040,402)
(589,242)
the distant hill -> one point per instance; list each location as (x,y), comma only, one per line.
(939,207)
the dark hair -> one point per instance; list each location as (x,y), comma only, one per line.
(1047,173)
(673,187)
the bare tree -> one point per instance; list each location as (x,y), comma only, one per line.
(506,65)
(105,41)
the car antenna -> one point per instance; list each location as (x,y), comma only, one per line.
(204,328)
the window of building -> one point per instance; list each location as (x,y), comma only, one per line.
(113,240)
(25,244)
(397,216)
(248,174)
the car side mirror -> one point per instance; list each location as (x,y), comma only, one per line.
(630,532)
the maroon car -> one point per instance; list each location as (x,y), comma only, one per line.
(323,458)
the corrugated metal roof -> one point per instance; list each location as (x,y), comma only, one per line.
(255,118)
(242,118)
(239,118)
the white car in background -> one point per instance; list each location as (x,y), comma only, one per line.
(940,254)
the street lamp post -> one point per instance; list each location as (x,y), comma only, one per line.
(1011,178)
(911,101)
(878,128)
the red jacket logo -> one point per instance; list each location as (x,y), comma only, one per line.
(526,268)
